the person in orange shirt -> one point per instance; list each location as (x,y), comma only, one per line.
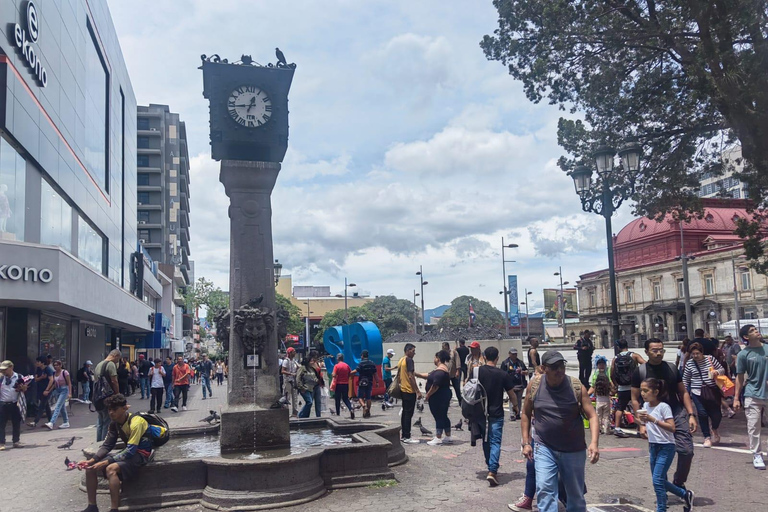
(181,373)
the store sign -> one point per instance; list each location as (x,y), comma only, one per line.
(17,273)
(24,41)
(90,331)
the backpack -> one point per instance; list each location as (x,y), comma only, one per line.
(102,388)
(624,366)
(473,391)
(575,384)
(158,432)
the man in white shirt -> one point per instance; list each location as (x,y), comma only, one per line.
(288,371)
(10,389)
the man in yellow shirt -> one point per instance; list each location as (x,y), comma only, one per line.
(410,391)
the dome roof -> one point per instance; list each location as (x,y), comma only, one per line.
(720,217)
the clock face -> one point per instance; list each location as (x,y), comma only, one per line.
(249,106)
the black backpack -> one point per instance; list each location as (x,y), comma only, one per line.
(102,388)
(624,366)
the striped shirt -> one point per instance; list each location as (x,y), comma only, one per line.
(693,373)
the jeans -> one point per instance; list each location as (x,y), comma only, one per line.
(707,412)
(86,390)
(755,409)
(387,383)
(102,424)
(168,395)
(317,396)
(530,475)
(409,406)
(438,406)
(207,384)
(219,379)
(683,447)
(492,447)
(307,396)
(456,389)
(661,459)
(183,390)
(144,385)
(43,405)
(157,399)
(585,371)
(60,396)
(10,411)
(342,393)
(552,468)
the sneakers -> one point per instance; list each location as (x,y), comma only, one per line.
(49,425)
(17,444)
(352,415)
(731,413)
(2,447)
(492,479)
(91,508)
(447,440)
(31,424)
(175,409)
(707,443)
(512,417)
(183,407)
(435,442)
(715,437)
(64,425)
(757,462)
(688,507)
(522,505)
(205,398)
(408,440)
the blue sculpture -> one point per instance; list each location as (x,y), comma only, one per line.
(351,340)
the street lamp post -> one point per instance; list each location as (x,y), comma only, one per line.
(560,303)
(306,324)
(415,313)
(422,282)
(350,285)
(736,292)
(527,322)
(504,276)
(609,191)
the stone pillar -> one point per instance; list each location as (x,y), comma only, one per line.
(248,422)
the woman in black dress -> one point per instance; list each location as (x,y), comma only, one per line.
(439,397)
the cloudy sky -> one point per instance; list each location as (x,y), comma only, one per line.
(407,147)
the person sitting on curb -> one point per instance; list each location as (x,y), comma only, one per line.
(124,465)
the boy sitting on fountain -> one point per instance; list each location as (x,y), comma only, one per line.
(124,465)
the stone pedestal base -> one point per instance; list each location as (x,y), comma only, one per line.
(244,428)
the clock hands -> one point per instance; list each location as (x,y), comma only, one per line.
(252,104)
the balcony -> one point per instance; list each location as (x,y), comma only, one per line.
(152,132)
(152,170)
(142,206)
(148,151)
(184,216)
(151,245)
(150,225)
(149,188)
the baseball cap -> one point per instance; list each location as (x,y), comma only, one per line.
(88,362)
(6,364)
(551,357)
(291,350)
(513,350)
(474,344)
(391,352)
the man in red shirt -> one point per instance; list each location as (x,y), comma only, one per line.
(181,374)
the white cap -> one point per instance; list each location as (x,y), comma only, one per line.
(391,352)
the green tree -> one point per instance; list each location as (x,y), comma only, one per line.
(294,323)
(334,318)
(203,293)
(458,314)
(687,79)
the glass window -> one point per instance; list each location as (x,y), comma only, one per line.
(142,179)
(143,217)
(142,123)
(12,190)
(142,161)
(592,300)
(680,288)
(629,294)
(54,337)
(142,197)
(96,83)
(142,142)
(90,245)
(656,290)
(746,281)
(144,235)
(55,218)
(709,284)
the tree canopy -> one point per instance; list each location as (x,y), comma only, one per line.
(687,79)
(390,314)
(458,314)
(203,293)
(289,316)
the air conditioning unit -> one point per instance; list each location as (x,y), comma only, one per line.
(142,241)
(153,129)
(140,203)
(142,222)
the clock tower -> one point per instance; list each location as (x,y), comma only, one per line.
(249,136)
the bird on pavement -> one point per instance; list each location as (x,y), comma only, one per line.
(417,423)
(214,416)
(67,445)
(425,431)
(280,57)
(67,462)
(458,426)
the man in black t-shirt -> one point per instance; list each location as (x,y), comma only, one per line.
(366,371)
(144,366)
(495,381)
(463,352)
(585,348)
(708,344)
(678,399)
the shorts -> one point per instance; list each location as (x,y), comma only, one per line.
(364,392)
(129,468)
(624,399)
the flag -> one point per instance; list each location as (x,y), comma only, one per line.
(472,316)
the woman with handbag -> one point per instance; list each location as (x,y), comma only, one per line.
(306,382)
(699,377)
(60,390)
(321,393)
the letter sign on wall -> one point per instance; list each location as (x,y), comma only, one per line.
(17,273)
(26,38)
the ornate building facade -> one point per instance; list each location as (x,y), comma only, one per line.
(649,277)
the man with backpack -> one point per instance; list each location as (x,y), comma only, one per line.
(517,372)
(585,348)
(366,371)
(486,384)
(622,367)
(105,384)
(559,402)
(678,399)
(140,439)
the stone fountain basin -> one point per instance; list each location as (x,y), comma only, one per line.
(228,484)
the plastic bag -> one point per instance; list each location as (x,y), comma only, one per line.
(726,385)
(324,396)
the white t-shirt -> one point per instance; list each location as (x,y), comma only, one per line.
(157,377)
(291,366)
(656,434)
(219,368)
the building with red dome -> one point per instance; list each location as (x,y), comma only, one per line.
(649,276)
